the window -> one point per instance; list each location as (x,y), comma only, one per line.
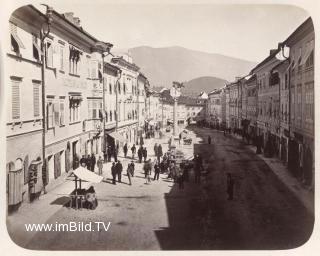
(15,99)
(292,106)
(94,107)
(61,49)
(74,60)
(110,116)
(62,120)
(74,108)
(35,48)
(50,114)
(88,66)
(56,112)
(299,101)
(49,54)
(36,100)
(124,88)
(16,42)
(310,60)
(309,101)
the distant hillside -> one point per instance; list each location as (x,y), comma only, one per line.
(206,84)
(164,65)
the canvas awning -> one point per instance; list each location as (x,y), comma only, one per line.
(85,175)
(117,136)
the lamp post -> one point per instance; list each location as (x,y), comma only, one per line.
(43,35)
(175,94)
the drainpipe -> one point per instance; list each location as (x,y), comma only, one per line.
(43,36)
(117,99)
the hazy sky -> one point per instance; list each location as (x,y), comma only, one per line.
(242,31)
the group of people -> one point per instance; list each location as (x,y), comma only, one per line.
(90,162)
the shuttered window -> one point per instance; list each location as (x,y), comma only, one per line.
(56,110)
(50,114)
(36,100)
(61,113)
(15,99)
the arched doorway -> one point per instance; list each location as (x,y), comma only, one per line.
(14,186)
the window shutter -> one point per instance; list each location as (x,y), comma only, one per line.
(56,114)
(61,113)
(36,100)
(15,100)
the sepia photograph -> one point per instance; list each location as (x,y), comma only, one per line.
(158,126)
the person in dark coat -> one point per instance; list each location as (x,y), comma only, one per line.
(159,153)
(132,168)
(88,161)
(209,139)
(155,149)
(144,153)
(125,150)
(93,162)
(230,186)
(156,171)
(119,170)
(113,173)
(140,154)
(83,161)
(129,173)
(109,153)
(133,150)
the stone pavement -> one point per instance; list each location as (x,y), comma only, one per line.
(304,194)
(42,209)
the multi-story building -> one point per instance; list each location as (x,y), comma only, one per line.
(251,106)
(268,103)
(214,108)
(73,98)
(227,103)
(126,99)
(234,99)
(301,95)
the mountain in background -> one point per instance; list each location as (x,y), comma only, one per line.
(164,65)
(202,84)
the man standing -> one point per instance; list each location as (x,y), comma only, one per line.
(159,153)
(125,150)
(147,170)
(119,169)
(145,153)
(155,148)
(132,168)
(83,161)
(156,171)
(209,140)
(113,173)
(115,155)
(133,150)
(93,162)
(140,153)
(100,165)
(88,161)
(129,172)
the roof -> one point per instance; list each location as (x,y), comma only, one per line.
(307,24)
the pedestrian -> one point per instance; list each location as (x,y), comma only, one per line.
(83,161)
(180,179)
(156,171)
(230,186)
(155,149)
(209,139)
(113,173)
(93,162)
(119,170)
(88,161)
(140,154)
(133,150)
(144,153)
(100,165)
(147,168)
(125,150)
(180,137)
(159,152)
(132,168)
(129,173)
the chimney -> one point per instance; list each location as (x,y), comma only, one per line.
(273,51)
(69,16)
(76,21)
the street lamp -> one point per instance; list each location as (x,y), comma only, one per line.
(43,35)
